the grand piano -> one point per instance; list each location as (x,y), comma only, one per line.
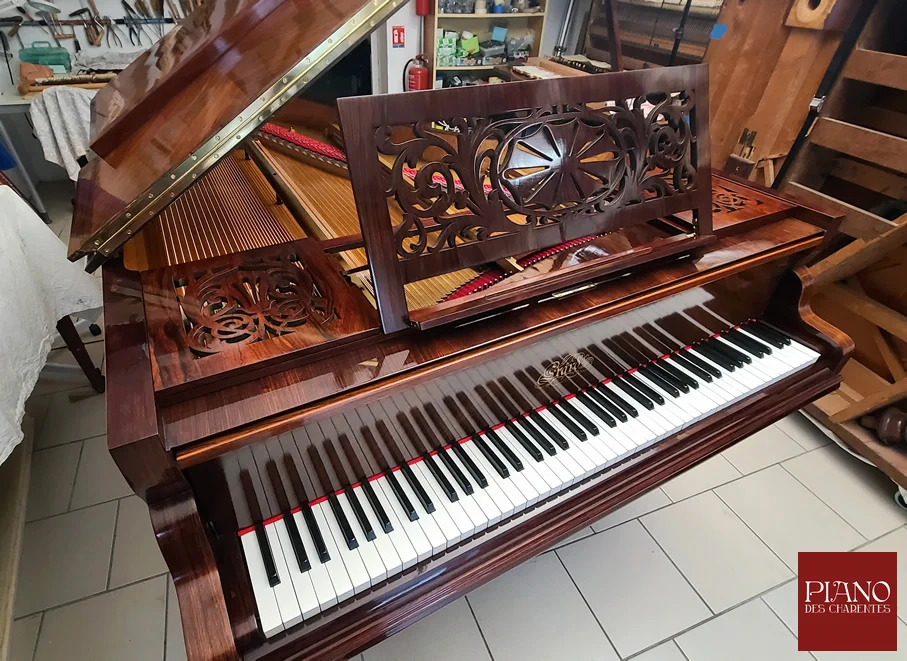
(363,359)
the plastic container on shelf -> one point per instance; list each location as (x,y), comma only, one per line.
(42,52)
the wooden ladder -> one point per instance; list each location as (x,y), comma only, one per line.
(855,159)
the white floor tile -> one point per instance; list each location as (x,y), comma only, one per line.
(762,449)
(710,545)
(644,504)
(783,601)
(98,478)
(176,647)
(750,632)
(665,652)
(860,493)
(123,624)
(24,637)
(582,533)
(49,382)
(72,415)
(805,433)
(53,473)
(895,541)
(702,477)
(449,634)
(536,612)
(65,557)
(637,595)
(136,554)
(787,516)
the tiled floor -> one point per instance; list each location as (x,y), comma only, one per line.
(700,569)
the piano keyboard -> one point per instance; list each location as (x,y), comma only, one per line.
(520,445)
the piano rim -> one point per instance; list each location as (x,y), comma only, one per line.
(417,593)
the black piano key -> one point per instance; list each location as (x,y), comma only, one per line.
(549,430)
(295,540)
(566,406)
(364,524)
(592,404)
(604,402)
(661,368)
(716,357)
(651,373)
(736,356)
(307,515)
(458,476)
(471,467)
(644,388)
(517,432)
(621,403)
(504,450)
(636,395)
(700,363)
(754,329)
(492,458)
(771,331)
(345,528)
(537,419)
(417,487)
(261,537)
(536,434)
(441,478)
(568,422)
(687,364)
(377,507)
(755,347)
(340,470)
(403,499)
(668,366)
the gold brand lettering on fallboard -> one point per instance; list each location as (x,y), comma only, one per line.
(565,367)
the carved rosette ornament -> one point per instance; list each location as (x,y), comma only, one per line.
(237,305)
(480,176)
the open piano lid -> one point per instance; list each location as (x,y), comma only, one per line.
(179,108)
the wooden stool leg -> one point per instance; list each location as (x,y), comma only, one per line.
(74,343)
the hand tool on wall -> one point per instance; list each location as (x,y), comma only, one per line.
(112,31)
(14,32)
(7,54)
(136,22)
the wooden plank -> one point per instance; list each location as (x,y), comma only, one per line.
(832,403)
(886,395)
(877,68)
(873,311)
(857,222)
(861,379)
(874,146)
(867,176)
(856,256)
(891,360)
(885,120)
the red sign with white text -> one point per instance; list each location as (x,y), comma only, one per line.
(847,602)
(398,36)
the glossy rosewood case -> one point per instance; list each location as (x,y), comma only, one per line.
(208,356)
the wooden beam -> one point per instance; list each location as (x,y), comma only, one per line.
(856,256)
(877,68)
(891,359)
(857,222)
(874,146)
(861,380)
(863,174)
(884,120)
(871,310)
(886,395)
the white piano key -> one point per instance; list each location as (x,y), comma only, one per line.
(539,475)
(383,543)
(429,526)
(440,516)
(477,518)
(302,583)
(573,451)
(412,529)
(321,579)
(284,592)
(398,537)
(340,578)
(454,510)
(565,462)
(265,600)
(480,496)
(506,496)
(371,559)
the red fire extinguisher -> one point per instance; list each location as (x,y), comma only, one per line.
(415,74)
